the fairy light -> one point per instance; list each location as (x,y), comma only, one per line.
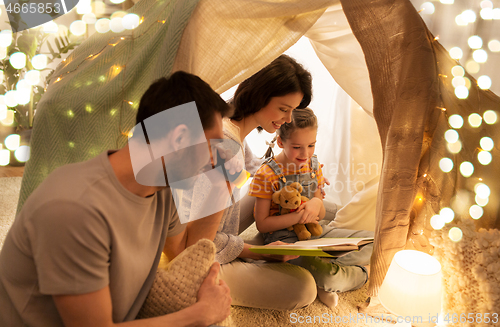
(116,25)
(461,92)
(448,214)
(18,60)
(486,13)
(486,143)
(494,46)
(12,142)
(469,16)
(475,42)
(89,18)
(22,154)
(484,82)
(456,121)
(480,56)
(10,98)
(78,27)
(130,21)
(482,190)
(9,119)
(475,120)
(458,81)
(32,77)
(481,201)
(102,25)
(3,111)
(5,38)
(455,234)
(446,165)
(427,8)
(484,158)
(466,169)
(70,113)
(490,117)
(472,67)
(4,157)
(458,71)
(476,211)
(447,2)
(454,147)
(456,53)
(437,222)
(451,136)
(39,61)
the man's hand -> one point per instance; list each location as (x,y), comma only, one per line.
(214,299)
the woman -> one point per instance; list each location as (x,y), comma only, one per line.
(264,101)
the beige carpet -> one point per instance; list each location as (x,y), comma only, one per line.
(345,314)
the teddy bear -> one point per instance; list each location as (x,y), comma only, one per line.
(290,199)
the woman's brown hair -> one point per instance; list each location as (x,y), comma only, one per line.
(281,77)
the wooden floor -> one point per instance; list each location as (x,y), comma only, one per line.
(9,171)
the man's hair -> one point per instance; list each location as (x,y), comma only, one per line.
(281,77)
(178,89)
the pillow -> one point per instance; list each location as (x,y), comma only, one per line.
(176,285)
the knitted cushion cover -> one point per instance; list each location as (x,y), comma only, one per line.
(176,285)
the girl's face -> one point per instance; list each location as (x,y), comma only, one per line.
(278,111)
(299,147)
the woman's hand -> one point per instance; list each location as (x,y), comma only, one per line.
(278,257)
(310,211)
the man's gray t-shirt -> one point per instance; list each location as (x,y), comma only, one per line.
(78,232)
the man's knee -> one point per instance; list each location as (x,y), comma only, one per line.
(301,292)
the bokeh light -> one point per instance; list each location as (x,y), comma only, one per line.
(18,60)
(455,234)
(130,21)
(480,56)
(461,92)
(5,38)
(446,164)
(50,26)
(427,8)
(484,158)
(32,77)
(475,120)
(89,18)
(451,136)
(448,214)
(10,98)
(454,147)
(458,71)
(78,27)
(116,25)
(12,142)
(22,154)
(102,25)
(494,46)
(476,211)
(475,42)
(481,201)
(482,190)
(4,157)
(490,117)
(437,222)
(456,121)
(39,61)
(486,143)
(456,53)
(472,67)
(469,16)
(466,169)
(484,82)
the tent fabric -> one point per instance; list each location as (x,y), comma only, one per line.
(91,102)
(413,98)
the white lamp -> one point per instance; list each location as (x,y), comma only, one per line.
(412,287)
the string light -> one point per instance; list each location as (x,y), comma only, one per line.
(490,117)
(4,157)
(475,120)
(22,154)
(12,142)
(484,82)
(456,121)
(466,169)
(456,53)
(486,143)
(5,38)
(446,165)
(455,234)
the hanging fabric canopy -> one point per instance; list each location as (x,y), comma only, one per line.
(91,102)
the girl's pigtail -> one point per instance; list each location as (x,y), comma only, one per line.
(269,152)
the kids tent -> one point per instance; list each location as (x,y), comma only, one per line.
(398,72)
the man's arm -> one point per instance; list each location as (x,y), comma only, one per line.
(95,309)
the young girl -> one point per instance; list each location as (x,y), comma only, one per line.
(297,163)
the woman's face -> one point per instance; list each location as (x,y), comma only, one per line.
(278,111)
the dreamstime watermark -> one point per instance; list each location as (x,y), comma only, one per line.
(327,318)
(24,14)
(155,162)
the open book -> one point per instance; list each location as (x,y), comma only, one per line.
(323,247)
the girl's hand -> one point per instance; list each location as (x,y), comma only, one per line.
(310,210)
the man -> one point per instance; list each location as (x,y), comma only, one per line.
(84,249)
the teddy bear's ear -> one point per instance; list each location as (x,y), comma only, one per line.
(297,186)
(276,197)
